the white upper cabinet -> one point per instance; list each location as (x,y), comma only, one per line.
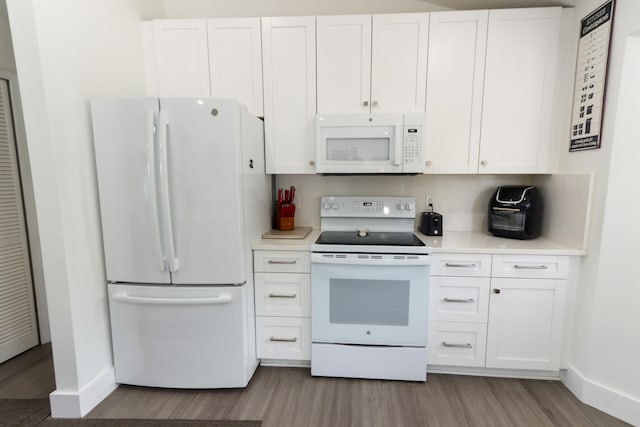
(457,46)
(489,90)
(399,62)
(520,72)
(181,57)
(219,58)
(289,70)
(372,64)
(235,60)
(344,63)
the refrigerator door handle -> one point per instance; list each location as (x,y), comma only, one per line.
(121,297)
(153,196)
(163,142)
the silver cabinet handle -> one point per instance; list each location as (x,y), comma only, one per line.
(374,103)
(531,267)
(365,103)
(483,163)
(447,344)
(428,163)
(457,265)
(458,299)
(282,295)
(276,339)
(275,261)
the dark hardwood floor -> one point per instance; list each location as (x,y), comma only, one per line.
(282,397)
(29,375)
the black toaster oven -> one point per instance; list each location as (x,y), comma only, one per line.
(515,211)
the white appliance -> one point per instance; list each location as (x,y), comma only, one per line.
(369,290)
(370,143)
(183,193)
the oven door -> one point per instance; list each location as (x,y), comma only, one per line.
(369,299)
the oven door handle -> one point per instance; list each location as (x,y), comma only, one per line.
(319,258)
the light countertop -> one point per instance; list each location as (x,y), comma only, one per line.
(450,242)
(479,242)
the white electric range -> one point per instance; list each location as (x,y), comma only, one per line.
(369,290)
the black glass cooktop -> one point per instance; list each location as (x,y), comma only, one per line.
(371,238)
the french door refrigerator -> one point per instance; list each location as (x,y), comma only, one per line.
(183,193)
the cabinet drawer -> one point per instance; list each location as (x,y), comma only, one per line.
(456,344)
(281,261)
(459,299)
(476,265)
(531,266)
(282,294)
(283,338)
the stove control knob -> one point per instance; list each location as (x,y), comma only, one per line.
(326,206)
(334,206)
(407,206)
(399,206)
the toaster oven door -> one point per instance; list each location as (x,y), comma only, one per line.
(507,219)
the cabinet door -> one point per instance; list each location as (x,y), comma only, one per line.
(344,63)
(399,62)
(519,80)
(289,57)
(181,57)
(235,60)
(457,44)
(525,323)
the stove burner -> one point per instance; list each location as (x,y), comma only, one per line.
(373,238)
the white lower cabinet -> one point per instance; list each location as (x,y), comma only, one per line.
(457,343)
(283,338)
(512,318)
(282,286)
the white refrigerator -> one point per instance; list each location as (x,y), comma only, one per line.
(183,193)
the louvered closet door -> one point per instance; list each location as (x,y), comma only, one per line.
(18,329)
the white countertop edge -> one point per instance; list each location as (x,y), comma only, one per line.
(479,242)
(451,242)
(286,244)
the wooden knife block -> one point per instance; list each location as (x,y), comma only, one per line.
(283,223)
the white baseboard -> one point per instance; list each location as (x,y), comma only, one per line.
(77,404)
(606,399)
(493,372)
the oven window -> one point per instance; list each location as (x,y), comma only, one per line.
(358,149)
(369,302)
(508,221)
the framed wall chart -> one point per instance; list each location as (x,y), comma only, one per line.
(591,73)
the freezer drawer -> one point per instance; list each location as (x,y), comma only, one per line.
(180,337)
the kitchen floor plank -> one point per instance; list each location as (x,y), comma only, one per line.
(28,375)
(282,397)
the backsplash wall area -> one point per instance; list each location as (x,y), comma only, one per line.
(461,199)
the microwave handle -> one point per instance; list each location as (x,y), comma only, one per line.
(399,145)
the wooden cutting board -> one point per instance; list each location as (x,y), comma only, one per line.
(296,233)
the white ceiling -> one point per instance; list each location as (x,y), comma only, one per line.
(499,4)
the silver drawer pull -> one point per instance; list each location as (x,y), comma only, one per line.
(275,261)
(283,295)
(457,265)
(276,339)
(458,299)
(447,344)
(531,267)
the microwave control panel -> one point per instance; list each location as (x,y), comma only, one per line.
(412,153)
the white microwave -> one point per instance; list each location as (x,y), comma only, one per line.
(370,143)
